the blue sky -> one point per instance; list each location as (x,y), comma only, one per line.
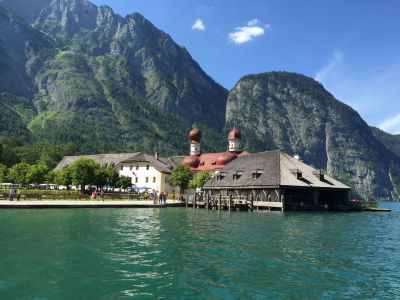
(351,47)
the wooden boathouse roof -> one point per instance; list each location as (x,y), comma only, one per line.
(271,169)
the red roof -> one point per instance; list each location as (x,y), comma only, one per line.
(211,161)
(234,134)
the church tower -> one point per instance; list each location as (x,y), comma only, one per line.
(234,140)
(195,137)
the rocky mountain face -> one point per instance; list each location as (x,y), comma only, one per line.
(105,82)
(74,72)
(163,73)
(391,142)
(295,113)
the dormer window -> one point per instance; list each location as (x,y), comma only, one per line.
(213,163)
(202,163)
(221,176)
(319,174)
(297,173)
(257,173)
(237,175)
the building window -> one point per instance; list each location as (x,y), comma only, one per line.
(136,179)
(147,167)
(237,175)
(154,179)
(137,167)
(257,173)
(166,179)
(221,176)
(122,167)
(131,168)
(147,179)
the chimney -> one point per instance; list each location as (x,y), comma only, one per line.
(297,156)
(156,155)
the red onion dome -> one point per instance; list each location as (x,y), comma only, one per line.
(234,134)
(191,161)
(225,158)
(195,135)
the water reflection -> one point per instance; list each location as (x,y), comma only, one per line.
(162,253)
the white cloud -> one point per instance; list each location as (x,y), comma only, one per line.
(391,124)
(199,25)
(330,69)
(253,22)
(254,28)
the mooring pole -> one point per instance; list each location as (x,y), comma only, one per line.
(219,202)
(251,202)
(230,201)
(207,199)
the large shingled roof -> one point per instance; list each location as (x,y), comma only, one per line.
(274,169)
(162,164)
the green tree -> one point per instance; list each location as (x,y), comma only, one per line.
(181,176)
(199,180)
(37,174)
(61,177)
(83,172)
(18,173)
(3,173)
(124,182)
(112,176)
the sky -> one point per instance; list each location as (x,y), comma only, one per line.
(351,47)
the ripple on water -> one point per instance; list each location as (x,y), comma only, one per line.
(178,253)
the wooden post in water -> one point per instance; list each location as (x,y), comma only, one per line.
(194,201)
(230,202)
(219,201)
(207,199)
(251,202)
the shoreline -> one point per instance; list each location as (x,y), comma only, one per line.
(87,204)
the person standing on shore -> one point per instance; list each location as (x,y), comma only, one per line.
(102,195)
(18,194)
(11,194)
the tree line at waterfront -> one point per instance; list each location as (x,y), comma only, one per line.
(33,164)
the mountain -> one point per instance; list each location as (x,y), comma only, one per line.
(295,113)
(163,73)
(105,82)
(392,142)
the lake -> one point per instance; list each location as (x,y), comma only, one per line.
(174,253)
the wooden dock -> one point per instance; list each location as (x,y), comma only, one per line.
(88,204)
(231,202)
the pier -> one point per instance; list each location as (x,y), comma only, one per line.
(221,202)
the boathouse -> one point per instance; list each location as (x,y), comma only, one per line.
(275,180)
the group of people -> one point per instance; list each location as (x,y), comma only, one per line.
(158,198)
(14,194)
(95,194)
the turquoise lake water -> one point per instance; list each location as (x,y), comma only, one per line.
(175,253)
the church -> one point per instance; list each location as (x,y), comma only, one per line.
(198,161)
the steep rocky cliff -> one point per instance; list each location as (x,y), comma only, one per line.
(295,113)
(105,82)
(391,141)
(163,73)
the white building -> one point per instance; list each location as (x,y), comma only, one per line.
(147,171)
